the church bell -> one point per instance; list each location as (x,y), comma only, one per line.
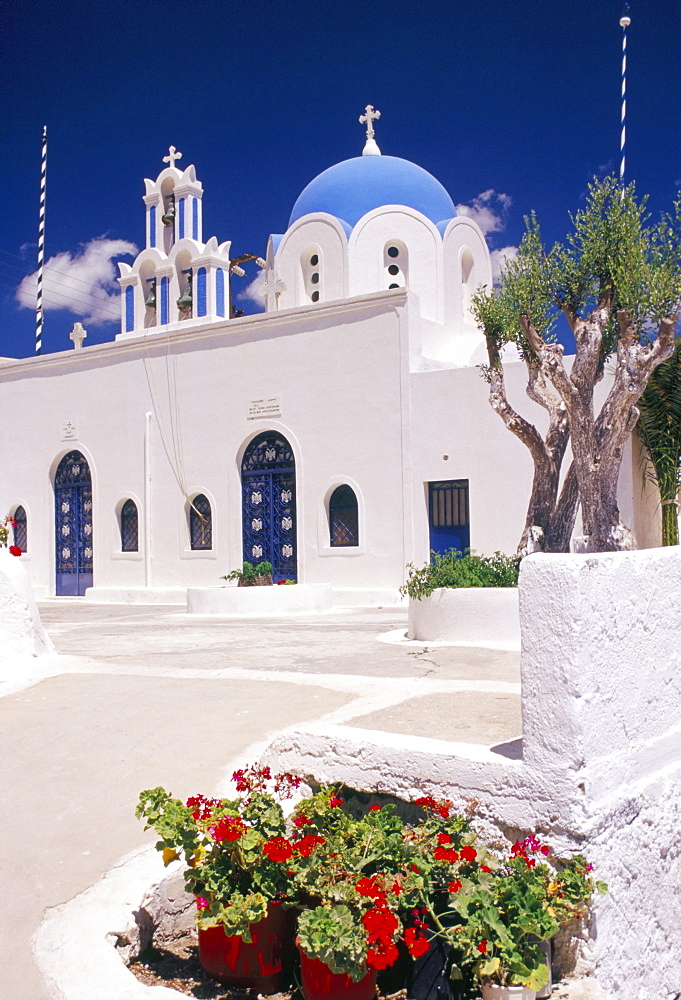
(184,303)
(169,218)
(150,301)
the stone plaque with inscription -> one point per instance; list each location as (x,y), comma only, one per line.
(267,407)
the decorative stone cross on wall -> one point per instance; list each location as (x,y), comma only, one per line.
(78,335)
(172,156)
(271,288)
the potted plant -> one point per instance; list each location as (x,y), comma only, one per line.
(249,575)
(497,921)
(237,858)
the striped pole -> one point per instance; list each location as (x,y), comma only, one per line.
(41,248)
(625,21)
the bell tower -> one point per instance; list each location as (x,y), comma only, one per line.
(173,204)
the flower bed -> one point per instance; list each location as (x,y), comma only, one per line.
(368,889)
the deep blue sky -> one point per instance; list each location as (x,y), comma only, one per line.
(261,95)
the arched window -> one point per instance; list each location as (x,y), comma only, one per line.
(129,527)
(200,523)
(20,531)
(311,265)
(343,518)
(395,264)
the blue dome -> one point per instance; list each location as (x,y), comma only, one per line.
(354,187)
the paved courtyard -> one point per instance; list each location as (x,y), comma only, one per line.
(146,695)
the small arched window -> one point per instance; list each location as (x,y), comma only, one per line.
(20,531)
(395,264)
(200,523)
(311,266)
(343,517)
(129,527)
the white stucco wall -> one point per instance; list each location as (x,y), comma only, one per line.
(22,636)
(598,770)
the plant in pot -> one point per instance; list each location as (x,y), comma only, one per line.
(238,863)
(497,921)
(258,575)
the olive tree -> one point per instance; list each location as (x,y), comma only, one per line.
(616,279)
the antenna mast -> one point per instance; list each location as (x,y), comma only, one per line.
(625,21)
(41,248)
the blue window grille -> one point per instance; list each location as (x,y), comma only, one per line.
(165,282)
(181,223)
(20,531)
(129,527)
(152,226)
(195,218)
(220,292)
(201,292)
(268,492)
(343,517)
(73,525)
(200,523)
(129,309)
(449,515)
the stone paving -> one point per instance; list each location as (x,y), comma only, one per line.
(146,695)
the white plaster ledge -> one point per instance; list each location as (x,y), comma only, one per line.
(258,600)
(467,616)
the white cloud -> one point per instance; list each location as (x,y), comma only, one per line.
(253,292)
(489,209)
(499,258)
(84,282)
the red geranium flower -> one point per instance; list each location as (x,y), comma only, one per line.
(375,809)
(446,854)
(278,849)
(380,923)
(302,821)
(368,887)
(468,854)
(444,838)
(306,845)
(482,947)
(417,944)
(229,828)
(202,903)
(415,869)
(334,802)
(455,885)
(382,954)
(15,550)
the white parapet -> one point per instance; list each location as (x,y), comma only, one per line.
(467,616)
(258,600)
(22,636)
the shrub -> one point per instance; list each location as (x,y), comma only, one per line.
(456,569)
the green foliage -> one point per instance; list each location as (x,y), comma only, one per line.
(333,935)
(660,428)
(249,574)
(454,569)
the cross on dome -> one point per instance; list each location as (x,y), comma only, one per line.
(172,156)
(369,117)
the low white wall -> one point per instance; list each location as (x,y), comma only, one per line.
(467,616)
(22,635)
(599,770)
(258,600)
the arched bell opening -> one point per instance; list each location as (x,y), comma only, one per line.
(168,213)
(184,285)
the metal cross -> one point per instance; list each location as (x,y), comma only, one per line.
(172,156)
(272,286)
(369,118)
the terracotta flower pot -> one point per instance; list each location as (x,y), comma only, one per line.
(492,991)
(320,983)
(262,965)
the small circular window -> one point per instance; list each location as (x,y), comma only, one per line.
(393,269)
(393,285)
(314,259)
(393,252)
(315,278)
(315,296)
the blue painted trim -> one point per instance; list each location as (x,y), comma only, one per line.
(195,218)
(129,309)
(201,292)
(182,201)
(164,299)
(220,292)
(152,226)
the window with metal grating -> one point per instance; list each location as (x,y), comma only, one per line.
(343,517)
(200,523)
(20,531)
(129,527)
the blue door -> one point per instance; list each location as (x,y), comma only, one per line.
(268,492)
(448,515)
(73,525)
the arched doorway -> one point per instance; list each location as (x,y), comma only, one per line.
(73,525)
(268,496)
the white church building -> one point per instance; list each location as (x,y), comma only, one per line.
(340,434)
